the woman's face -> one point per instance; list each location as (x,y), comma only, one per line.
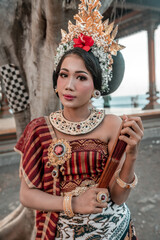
(75,83)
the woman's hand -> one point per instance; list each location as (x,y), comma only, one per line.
(132,126)
(86,203)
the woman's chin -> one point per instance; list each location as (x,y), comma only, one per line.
(70,104)
(74,105)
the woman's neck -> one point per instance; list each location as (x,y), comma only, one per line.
(76,114)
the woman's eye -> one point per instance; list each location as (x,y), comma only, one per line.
(63,75)
(82,78)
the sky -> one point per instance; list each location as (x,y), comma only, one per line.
(136,78)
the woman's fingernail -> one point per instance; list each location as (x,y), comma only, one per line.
(125,118)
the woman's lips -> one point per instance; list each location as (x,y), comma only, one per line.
(68,97)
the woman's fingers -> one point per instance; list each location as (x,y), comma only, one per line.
(97,190)
(132,134)
(93,205)
(133,127)
(129,131)
(133,121)
(138,121)
(98,210)
(103,192)
(130,141)
(101,205)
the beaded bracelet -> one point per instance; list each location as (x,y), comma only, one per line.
(123,184)
(67,205)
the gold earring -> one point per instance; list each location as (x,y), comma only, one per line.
(56,91)
(96,94)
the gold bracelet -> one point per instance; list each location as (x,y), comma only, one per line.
(123,184)
(67,205)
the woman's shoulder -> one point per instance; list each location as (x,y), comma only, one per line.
(35,125)
(109,127)
(31,132)
(112,120)
(36,122)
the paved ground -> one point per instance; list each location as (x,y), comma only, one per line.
(144,201)
(9,189)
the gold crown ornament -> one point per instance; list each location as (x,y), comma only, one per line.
(90,33)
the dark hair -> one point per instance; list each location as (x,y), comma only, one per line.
(90,61)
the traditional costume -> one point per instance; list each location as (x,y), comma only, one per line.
(67,168)
(83,168)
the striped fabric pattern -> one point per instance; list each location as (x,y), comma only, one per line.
(33,146)
(87,161)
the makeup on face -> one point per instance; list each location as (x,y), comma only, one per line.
(75,82)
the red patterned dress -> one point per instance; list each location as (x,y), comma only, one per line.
(84,168)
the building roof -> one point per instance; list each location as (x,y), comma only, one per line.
(133,15)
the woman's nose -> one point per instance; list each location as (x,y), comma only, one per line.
(70,84)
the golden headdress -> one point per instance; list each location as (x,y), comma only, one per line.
(90,32)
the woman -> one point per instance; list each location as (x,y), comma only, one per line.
(63,157)
(75,86)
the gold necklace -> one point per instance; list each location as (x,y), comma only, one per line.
(76,128)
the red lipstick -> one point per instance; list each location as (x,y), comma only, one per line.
(68,97)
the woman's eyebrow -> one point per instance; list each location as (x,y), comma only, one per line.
(64,69)
(79,71)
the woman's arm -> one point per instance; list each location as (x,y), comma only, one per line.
(85,203)
(39,200)
(118,194)
(133,127)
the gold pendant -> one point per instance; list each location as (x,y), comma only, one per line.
(59,151)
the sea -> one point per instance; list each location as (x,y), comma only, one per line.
(131,101)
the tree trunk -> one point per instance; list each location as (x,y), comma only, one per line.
(30,31)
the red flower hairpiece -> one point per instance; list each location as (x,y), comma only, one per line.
(84,42)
